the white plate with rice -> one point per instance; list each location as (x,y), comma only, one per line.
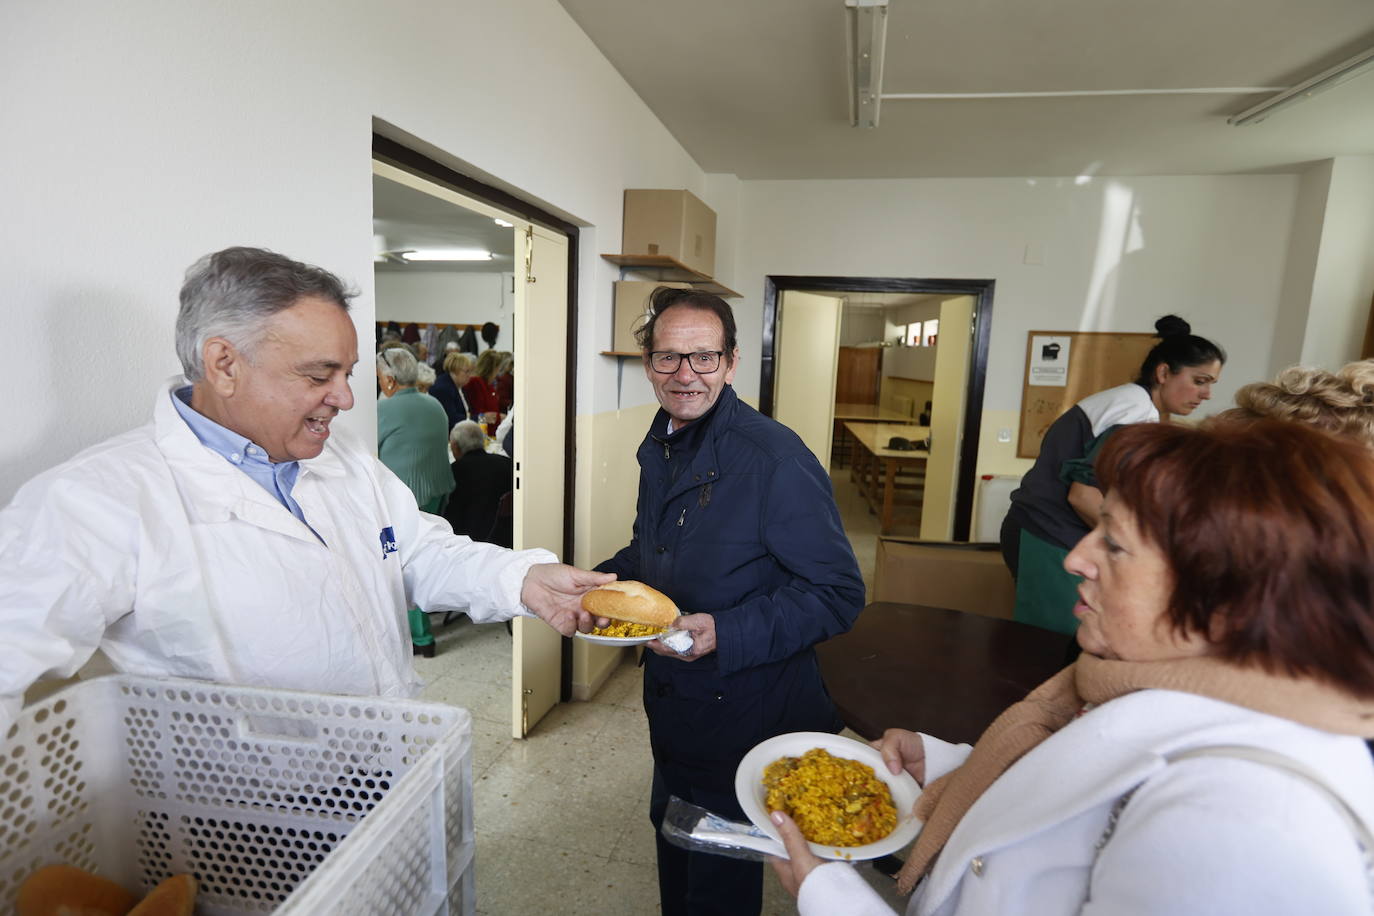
(750,790)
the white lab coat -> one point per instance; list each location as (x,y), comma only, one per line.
(176,563)
(1211,835)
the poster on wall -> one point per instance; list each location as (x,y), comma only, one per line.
(1049,362)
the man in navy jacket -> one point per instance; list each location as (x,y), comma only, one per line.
(737,524)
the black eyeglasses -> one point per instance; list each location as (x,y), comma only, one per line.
(702,362)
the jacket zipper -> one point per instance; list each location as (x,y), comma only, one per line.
(682,516)
(667,455)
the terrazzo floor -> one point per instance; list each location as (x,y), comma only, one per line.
(562,816)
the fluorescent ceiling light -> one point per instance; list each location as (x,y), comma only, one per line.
(866,25)
(1334,76)
(1078,93)
(502,223)
(447,254)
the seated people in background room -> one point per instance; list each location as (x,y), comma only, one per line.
(412,432)
(481,389)
(505,382)
(237,537)
(424,380)
(1042,526)
(412,440)
(448,387)
(449,347)
(1203,754)
(505,434)
(479,481)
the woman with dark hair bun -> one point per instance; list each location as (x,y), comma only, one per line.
(1057,502)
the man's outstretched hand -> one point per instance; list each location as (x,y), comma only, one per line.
(554,591)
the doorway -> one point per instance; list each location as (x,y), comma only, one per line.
(969,368)
(531,286)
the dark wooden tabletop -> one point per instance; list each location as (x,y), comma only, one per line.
(942,672)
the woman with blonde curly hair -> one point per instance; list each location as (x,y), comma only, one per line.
(1340,402)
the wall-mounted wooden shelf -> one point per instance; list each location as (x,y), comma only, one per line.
(632,353)
(679,272)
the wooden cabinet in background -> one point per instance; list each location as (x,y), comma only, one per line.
(860,370)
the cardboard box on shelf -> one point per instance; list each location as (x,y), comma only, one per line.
(961,577)
(672,223)
(631,303)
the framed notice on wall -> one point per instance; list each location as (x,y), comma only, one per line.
(1064,367)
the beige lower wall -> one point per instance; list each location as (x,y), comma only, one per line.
(607,488)
(1000,457)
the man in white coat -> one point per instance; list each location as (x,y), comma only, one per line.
(235,538)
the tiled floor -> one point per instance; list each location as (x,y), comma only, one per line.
(562,816)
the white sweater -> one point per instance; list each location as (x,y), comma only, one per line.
(1202,836)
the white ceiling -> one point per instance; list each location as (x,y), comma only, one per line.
(757,88)
(411,219)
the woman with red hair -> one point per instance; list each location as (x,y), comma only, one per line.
(1203,754)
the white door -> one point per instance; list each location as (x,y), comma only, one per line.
(952,358)
(806,363)
(541,339)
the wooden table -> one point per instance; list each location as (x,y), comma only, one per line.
(870,412)
(861,413)
(942,672)
(876,468)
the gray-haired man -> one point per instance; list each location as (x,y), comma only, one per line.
(236,537)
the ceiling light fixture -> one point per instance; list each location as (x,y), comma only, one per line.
(447,254)
(1334,76)
(866,27)
(1076,93)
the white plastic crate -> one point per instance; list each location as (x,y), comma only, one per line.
(261,794)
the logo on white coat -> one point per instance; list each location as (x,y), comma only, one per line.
(388,542)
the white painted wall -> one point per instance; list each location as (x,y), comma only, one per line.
(1117,253)
(455,298)
(1343,275)
(142,134)
(899,317)
(860,326)
(910,362)
(1300,269)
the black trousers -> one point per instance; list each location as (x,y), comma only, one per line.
(701,883)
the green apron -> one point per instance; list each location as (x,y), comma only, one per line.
(1045,593)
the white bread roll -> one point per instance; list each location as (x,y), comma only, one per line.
(631,601)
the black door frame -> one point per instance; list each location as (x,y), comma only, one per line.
(981,290)
(386,150)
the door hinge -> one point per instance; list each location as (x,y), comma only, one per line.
(529,254)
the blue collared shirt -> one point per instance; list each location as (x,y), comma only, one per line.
(276,478)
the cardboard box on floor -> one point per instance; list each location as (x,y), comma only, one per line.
(631,302)
(961,577)
(671,223)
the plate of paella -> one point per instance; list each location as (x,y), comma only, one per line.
(839,792)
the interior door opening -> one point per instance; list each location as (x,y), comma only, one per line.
(931,343)
(526,278)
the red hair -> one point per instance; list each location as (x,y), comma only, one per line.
(1269,530)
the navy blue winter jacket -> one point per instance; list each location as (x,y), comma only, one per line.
(737,519)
